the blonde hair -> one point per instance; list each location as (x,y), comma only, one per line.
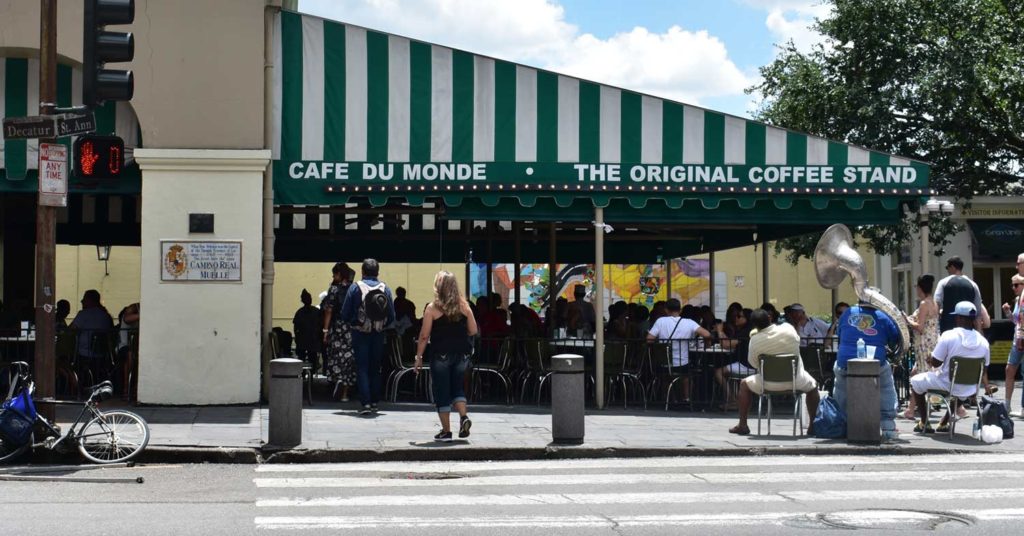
(447,297)
(1017,278)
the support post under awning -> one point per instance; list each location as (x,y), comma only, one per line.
(599,306)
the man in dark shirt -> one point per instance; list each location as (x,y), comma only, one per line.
(953,289)
(404,306)
(306,324)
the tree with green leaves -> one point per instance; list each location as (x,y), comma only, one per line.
(941,81)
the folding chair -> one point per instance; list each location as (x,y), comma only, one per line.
(780,368)
(966,371)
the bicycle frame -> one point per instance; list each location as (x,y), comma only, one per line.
(73,431)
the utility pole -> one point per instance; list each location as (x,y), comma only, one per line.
(46,220)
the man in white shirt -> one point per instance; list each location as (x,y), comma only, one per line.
(677,331)
(774,339)
(811,330)
(963,341)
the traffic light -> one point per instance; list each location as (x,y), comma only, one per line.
(99,157)
(100,47)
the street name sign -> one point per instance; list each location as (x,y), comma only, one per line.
(27,128)
(75,124)
(53,175)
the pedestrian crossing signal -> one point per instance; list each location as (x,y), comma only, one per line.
(99,157)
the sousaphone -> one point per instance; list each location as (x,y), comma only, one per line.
(835,258)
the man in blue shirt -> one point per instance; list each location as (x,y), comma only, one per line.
(862,321)
(368,333)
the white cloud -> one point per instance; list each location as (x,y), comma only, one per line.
(677,64)
(792,19)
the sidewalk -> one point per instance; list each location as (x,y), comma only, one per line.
(336,433)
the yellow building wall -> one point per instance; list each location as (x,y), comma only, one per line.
(291,277)
(78,270)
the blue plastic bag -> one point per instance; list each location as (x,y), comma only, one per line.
(830,422)
(17,416)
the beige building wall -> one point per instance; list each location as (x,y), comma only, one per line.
(196,85)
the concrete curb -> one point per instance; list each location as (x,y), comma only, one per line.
(243,455)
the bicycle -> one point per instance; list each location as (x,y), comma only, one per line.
(106,437)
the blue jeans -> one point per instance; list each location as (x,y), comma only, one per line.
(447,373)
(369,351)
(886,387)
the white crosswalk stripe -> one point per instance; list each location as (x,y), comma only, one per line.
(810,492)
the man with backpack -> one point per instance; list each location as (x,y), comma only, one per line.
(368,308)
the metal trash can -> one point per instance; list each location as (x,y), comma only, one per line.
(285,402)
(863,401)
(567,399)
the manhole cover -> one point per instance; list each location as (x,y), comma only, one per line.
(883,519)
(426,476)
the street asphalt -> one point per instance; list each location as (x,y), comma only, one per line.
(762,495)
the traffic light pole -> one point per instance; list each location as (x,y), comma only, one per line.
(46,220)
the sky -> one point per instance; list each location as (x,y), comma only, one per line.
(701,52)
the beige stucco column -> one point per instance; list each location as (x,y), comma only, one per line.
(199,342)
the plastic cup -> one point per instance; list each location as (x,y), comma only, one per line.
(871,352)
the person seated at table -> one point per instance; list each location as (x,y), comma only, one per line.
(840,308)
(733,335)
(581,318)
(773,313)
(94,325)
(812,330)
(63,312)
(962,341)
(773,339)
(657,311)
(677,331)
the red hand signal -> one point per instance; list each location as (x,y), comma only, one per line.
(87,158)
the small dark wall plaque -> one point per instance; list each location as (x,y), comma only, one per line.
(200,223)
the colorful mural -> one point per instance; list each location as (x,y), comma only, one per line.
(633,283)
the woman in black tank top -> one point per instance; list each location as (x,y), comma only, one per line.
(448,324)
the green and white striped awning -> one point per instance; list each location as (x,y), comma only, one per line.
(19,96)
(359,113)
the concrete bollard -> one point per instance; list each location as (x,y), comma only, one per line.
(285,402)
(863,401)
(567,399)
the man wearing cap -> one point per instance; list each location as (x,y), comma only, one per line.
(953,289)
(807,327)
(964,341)
(877,329)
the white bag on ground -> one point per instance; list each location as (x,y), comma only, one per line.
(991,434)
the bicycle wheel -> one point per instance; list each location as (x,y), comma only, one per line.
(9,452)
(113,436)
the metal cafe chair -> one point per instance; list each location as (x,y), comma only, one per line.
(778,368)
(497,367)
(661,356)
(622,366)
(965,371)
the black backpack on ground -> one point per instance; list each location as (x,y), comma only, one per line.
(994,412)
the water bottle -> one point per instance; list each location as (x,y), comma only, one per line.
(862,349)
